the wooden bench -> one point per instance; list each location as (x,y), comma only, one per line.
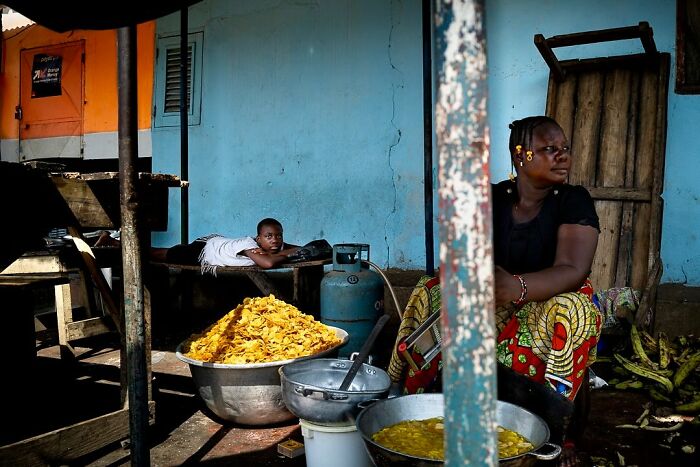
(307,276)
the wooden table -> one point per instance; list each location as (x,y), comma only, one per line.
(307,278)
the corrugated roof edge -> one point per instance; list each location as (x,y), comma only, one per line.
(13,21)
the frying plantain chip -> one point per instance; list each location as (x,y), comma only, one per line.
(259,330)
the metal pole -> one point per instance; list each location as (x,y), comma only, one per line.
(184,121)
(131,249)
(428,138)
(466,253)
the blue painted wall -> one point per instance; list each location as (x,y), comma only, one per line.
(312,113)
(518,87)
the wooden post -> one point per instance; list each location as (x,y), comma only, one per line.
(184,122)
(136,345)
(426,22)
(466,251)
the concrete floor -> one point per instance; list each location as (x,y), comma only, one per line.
(185,434)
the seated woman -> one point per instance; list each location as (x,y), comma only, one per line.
(545,237)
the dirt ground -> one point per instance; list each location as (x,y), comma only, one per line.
(185,434)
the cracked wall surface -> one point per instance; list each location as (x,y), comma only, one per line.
(311,113)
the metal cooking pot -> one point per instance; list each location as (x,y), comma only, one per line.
(310,389)
(422,406)
(247,393)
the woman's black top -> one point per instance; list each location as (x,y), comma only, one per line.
(532,245)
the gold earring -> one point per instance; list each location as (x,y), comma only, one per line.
(518,149)
(529,156)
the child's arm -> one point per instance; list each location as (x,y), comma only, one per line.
(288,249)
(266,260)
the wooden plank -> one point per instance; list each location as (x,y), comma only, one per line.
(97,276)
(655,265)
(94,198)
(64,315)
(658,176)
(646,158)
(624,250)
(599,35)
(69,443)
(645,313)
(605,259)
(551,97)
(630,62)
(611,172)
(148,342)
(611,166)
(550,59)
(236,269)
(165,179)
(34,263)
(83,203)
(585,135)
(86,328)
(35,280)
(620,194)
(262,282)
(646,35)
(565,104)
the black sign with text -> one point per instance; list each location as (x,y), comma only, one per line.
(46,75)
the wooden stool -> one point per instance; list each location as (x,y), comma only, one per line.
(68,328)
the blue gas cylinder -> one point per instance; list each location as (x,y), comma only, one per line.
(352,296)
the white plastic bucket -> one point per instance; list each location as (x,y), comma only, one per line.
(339,446)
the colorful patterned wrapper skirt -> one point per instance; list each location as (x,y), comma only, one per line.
(553,341)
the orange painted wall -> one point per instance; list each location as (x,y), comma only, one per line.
(100,114)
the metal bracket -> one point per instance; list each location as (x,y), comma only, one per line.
(427,335)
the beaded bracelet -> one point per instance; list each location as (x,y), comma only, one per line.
(523,290)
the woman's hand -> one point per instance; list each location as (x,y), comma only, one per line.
(507,287)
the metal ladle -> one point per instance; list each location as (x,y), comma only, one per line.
(364,352)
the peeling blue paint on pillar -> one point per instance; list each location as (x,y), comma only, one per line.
(466,253)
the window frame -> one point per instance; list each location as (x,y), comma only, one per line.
(195,39)
(687,50)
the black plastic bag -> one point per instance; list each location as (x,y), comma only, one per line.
(312,251)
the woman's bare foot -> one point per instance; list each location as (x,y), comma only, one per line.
(568,457)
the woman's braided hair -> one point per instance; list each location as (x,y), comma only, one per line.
(521,130)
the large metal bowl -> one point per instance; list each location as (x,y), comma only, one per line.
(388,412)
(310,389)
(249,394)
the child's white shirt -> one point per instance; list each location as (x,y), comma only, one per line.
(223,251)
